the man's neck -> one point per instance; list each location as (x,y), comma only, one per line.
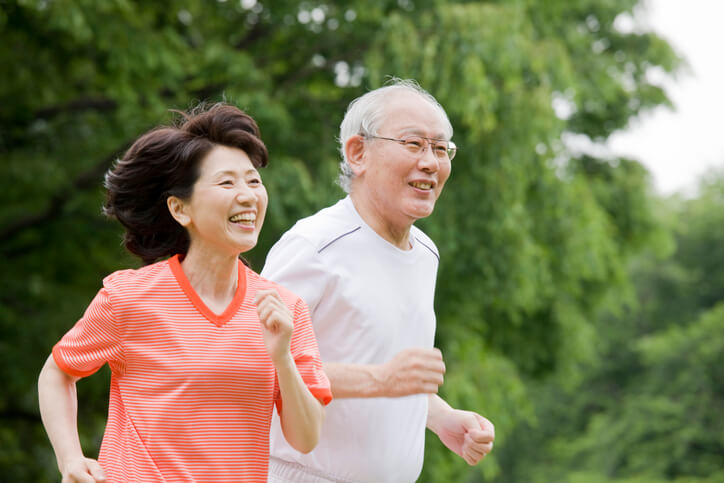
(397,234)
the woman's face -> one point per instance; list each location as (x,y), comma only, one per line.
(227,205)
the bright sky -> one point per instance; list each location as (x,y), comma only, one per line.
(680,146)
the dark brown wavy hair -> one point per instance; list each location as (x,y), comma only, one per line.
(165,162)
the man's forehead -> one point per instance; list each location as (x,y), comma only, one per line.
(418,131)
(415,125)
(411,113)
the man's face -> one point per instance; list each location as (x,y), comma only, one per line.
(403,186)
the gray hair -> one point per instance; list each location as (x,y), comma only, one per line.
(366,113)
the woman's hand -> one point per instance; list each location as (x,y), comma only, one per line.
(84,470)
(302,414)
(277,324)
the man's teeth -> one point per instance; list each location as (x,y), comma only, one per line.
(244,217)
(422,186)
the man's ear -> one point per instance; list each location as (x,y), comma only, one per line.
(177,208)
(354,148)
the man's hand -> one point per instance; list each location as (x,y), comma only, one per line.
(85,470)
(467,434)
(411,371)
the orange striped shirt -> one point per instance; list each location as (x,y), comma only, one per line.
(192,392)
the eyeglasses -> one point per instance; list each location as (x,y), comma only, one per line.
(417,145)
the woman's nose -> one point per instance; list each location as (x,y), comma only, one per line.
(245,194)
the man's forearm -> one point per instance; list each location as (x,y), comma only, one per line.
(355,380)
(415,370)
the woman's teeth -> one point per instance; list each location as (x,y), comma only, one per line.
(243,218)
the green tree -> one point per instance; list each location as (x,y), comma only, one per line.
(649,408)
(534,241)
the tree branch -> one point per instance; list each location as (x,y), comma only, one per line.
(15,414)
(257,31)
(57,201)
(100,104)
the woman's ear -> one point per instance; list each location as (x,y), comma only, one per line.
(354,148)
(177,208)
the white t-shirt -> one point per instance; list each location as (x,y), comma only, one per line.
(368,300)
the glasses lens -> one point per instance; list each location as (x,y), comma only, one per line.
(414,144)
(452,150)
(440,148)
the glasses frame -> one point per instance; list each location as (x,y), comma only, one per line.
(451,146)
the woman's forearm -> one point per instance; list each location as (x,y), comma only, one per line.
(58,411)
(302,413)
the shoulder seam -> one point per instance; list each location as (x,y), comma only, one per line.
(340,236)
(426,246)
(108,289)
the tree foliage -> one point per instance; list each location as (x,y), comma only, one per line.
(535,241)
(649,409)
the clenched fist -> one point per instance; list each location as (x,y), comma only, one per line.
(412,371)
(277,324)
(84,470)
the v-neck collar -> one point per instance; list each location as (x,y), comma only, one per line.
(218,320)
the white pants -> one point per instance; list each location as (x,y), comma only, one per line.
(281,471)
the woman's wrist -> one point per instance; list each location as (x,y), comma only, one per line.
(284,361)
(65,461)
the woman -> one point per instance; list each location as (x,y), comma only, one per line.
(200,347)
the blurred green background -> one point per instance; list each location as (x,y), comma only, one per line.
(577,309)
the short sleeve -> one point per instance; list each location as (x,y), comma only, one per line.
(293,263)
(306,356)
(93,340)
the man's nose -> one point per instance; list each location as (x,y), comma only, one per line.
(428,161)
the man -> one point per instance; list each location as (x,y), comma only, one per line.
(368,277)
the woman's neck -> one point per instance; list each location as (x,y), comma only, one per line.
(214,277)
